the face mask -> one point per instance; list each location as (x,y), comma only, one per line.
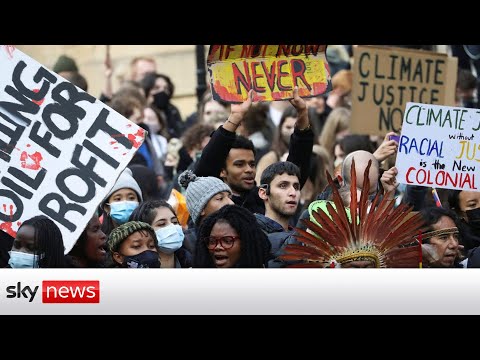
(21,260)
(146,259)
(473,217)
(170,238)
(154,127)
(120,211)
(468,103)
(161,100)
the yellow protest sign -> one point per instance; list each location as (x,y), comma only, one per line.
(272,71)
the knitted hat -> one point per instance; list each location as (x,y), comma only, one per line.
(125,181)
(199,191)
(64,63)
(120,233)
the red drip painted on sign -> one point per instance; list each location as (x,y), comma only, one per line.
(7,227)
(38,102)
(133,138)
(224,94)
(319,87)
(26,160)
(279,95)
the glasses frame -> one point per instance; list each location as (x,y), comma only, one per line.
(220,240)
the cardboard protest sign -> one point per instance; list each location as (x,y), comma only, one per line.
(385,79)
(438,147)
(272,71)
(61,150)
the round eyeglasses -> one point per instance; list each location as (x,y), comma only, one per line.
(225,241)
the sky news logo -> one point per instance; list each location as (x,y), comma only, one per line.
(59,292)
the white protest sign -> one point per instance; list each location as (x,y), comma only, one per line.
(61,149)
(438,147)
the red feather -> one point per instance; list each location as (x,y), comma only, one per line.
(375,226)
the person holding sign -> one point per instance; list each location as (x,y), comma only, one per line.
(232,158)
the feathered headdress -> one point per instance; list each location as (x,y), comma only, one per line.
(382,234)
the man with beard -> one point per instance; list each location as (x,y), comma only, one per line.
(232,158)
(280,192)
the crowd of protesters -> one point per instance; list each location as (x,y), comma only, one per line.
(234,185)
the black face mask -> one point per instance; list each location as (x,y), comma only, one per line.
(161,100)
(146,259)
(469,103)
(474,219)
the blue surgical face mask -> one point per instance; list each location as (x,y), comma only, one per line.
(146,259)
(170,238)
(120,211)
(22,260)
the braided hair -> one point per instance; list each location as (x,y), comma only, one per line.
(255,246)
(48,242)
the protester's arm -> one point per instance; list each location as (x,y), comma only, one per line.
(387,148)
(216,152)
(107,92)
(237,113)
(301,141)
(389,182)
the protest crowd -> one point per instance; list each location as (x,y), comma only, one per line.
(267,184)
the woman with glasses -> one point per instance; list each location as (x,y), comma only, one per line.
(231,238)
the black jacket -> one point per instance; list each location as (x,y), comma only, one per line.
(215,153)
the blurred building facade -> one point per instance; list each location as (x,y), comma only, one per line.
(176,61)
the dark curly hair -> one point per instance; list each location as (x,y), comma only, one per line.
(193,137)
(255,249)
(48,242)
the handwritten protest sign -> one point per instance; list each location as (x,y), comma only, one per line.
(385,79)
(272,71)
(440,147)
(61,150)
